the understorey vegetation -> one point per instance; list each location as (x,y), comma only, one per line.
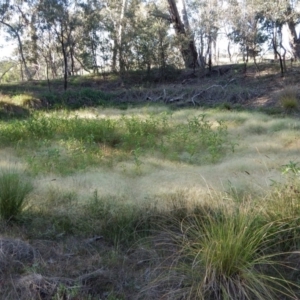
(157,197)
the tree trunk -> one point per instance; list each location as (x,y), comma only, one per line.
(201,56)
(280,58)
(72,59)
(228,51)
(47,72)
(63,47)
(94,54)
(274,41)
(208,53)
(294,39)
(114,55)
(188,48)
(34,40)
(185,17)
(120,37)
(21,70)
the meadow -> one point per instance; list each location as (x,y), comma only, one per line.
(170,191)
(150,202)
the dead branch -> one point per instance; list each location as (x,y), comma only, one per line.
(174,99)
(93,239)
(86,277)
(210,87)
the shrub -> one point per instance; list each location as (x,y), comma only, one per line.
(288,98)
(13,191)
(74,99)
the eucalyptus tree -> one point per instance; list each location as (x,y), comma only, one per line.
(89,35)
(115,25)
(207,16)
(148,37)
(292,17)
(245,21)
(60,18)
(11,18)
(138,36)
(187,47)
(273,18)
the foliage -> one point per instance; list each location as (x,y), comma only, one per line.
(124,36)
(291,167)
(8,71)
(76,99)
(79,142)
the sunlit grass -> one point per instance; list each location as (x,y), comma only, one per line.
(211,181)
(156,152)
(288,98)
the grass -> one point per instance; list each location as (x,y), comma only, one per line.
(149,201)
(66,144)
(122,224)
(13,192)
(288,98)
(231,249)
(226,258)
(164,199)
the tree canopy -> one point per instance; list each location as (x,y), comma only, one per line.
(61,38)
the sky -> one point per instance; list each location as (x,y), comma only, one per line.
(6,47)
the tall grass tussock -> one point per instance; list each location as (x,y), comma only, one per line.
(234,251)
(13,191)
(289,98)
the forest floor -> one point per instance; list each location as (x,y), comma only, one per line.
(123,169)
(254,87)
(228,85)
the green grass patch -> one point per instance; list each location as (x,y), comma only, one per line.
(13,192)
(65,144)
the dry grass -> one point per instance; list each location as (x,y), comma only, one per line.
(79,231)
(263,144)
(289,98)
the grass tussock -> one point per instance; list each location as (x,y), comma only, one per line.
(226,258)
(230,252)
(13,192)
(289,99)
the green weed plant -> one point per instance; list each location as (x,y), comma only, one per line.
(64,143)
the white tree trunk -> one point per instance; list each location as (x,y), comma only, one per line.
(120,35)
